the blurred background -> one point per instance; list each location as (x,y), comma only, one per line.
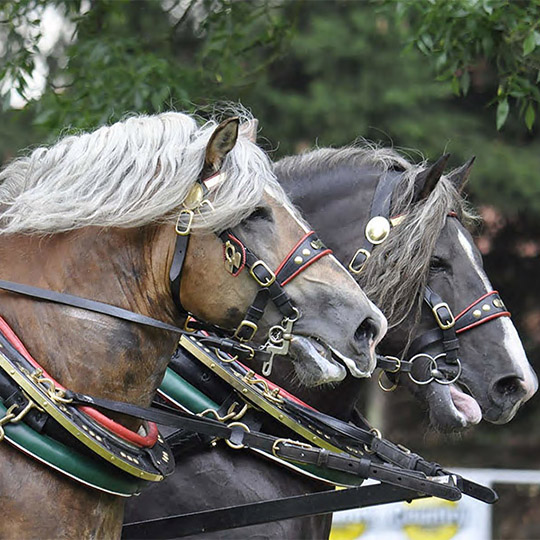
(424,76)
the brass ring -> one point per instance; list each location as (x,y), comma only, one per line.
(226,359)
(384,388)
(229,442)
(398,364)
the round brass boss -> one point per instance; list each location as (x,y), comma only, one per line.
(377,229)
(194,197)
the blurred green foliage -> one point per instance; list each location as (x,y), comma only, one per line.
(459,35)
(323,73)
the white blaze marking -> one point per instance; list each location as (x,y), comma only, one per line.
(470,253)
(511,341)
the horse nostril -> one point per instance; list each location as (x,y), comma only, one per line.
(366,331)
(510,387)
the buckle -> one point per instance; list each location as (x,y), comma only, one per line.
(443,325)
(246,324)
(356,269)
(269,279)
(187,228)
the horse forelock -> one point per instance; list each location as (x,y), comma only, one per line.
(130,174)
(397,271)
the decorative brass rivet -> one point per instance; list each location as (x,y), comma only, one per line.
(497,303)
(298,260)
(212,366)
(123,454)
(477,313)
(377,229)
(45,404)
(486,307)
(306,252)
(244,390)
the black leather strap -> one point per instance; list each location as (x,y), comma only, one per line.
(88,305)
(381,205)
(175,272)
(266,511)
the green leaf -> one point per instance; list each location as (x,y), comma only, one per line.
(529,44)
(530,116)
(455,85)
(502,113)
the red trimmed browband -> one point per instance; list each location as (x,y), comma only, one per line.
(309,260)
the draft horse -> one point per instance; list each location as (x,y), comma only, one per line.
(426,245)
(89,231)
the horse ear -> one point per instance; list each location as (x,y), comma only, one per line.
(220,144)
(249,129)
(427,179)
(459,176)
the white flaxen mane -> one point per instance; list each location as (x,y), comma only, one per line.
(130,174)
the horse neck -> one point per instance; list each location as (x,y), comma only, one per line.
(86,352)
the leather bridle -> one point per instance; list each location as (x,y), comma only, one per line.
(238,257)
(445,367)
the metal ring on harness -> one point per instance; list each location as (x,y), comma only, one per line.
(234,445)
(454,379)
(389,388)
(433,362)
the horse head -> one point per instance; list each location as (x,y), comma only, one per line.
(103,218)
(402,231)
(495,377)
(334,329)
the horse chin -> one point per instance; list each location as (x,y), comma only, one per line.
(452,408)
(315,362)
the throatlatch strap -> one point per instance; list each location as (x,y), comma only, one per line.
(175,272)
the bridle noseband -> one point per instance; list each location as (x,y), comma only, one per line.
(444,336)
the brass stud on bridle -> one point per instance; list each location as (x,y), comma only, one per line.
(377,229)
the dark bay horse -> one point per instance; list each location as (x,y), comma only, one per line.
(428,247)
(334,189)
(94,216)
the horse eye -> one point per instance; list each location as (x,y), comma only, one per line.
(437,264)
(260,213)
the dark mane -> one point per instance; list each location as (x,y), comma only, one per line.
(398,269)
